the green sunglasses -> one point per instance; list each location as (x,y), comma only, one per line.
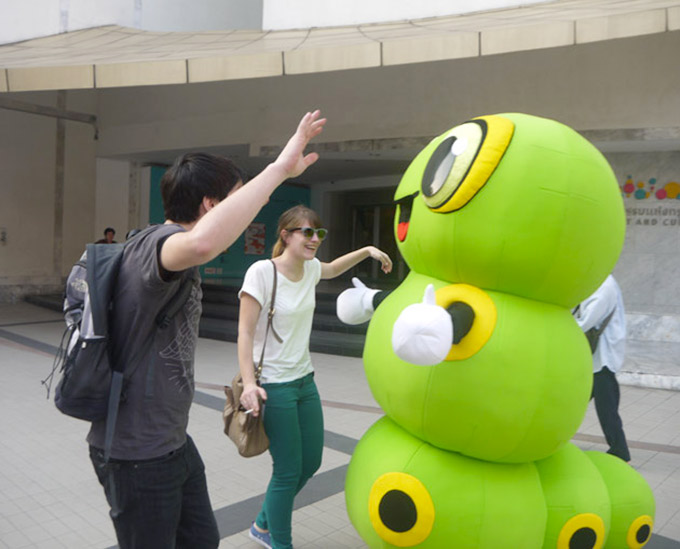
(309,232)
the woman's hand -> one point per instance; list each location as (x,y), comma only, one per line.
(379,255)
(292,160)
(251,396)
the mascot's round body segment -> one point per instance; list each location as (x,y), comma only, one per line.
(506,222)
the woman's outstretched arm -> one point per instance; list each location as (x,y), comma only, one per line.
(349,260)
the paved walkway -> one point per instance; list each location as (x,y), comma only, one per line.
(50,497)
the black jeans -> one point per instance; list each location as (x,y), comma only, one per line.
(159,503)
(606,393)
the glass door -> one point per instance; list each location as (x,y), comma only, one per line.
(372,225)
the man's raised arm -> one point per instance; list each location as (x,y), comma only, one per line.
(222,224)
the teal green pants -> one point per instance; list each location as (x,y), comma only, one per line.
(294,424)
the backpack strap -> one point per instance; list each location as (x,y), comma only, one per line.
(112,412)
(602,327)
(59,356)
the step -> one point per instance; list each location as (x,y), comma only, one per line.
(220,321)
(322,320)
(334,343)
(53,302)
(228,295)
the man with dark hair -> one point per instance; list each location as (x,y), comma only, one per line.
(193,176)
(155,481)
(109,234)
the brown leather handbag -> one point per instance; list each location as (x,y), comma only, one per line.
(246,431)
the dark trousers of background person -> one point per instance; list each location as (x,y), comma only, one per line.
(293,420)
(159,503)
(607,395)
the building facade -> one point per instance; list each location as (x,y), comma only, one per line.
(89,113)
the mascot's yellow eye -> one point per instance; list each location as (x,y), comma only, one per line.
(640,532)
(401,509)
(584,531)
(463,162)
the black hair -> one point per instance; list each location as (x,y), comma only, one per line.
(192,177)
(109,229)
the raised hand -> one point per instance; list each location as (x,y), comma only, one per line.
(292,159)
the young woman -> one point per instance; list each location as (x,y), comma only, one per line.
(293,419)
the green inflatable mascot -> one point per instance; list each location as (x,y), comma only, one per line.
(507,222)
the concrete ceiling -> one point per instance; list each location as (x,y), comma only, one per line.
(116,57)
(112,56)
(391,157)
(332,166)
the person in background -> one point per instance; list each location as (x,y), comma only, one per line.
(109,234)
(604,311)
(155,481)
(293,419)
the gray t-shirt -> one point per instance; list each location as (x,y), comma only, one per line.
(158,363)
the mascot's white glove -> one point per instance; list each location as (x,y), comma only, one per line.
(423,333)
(355,305)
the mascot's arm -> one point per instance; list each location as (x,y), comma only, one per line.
(424,332)
(356,305)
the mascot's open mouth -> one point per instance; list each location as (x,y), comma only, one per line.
(405,205)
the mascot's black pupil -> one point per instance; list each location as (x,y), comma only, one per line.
(583,538)
(397,511)
(643,534)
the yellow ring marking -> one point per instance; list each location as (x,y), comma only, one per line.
(631,538)
(485,317)
(416,490)
(583,520)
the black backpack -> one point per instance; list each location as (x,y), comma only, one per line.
(91,387)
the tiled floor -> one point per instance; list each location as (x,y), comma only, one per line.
(49,496)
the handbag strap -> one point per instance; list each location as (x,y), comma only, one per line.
(597,331)
(604,324)
(270,316)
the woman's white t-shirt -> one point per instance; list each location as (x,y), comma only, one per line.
(294,310)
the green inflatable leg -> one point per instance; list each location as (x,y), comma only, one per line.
(632,502)
(403,492)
